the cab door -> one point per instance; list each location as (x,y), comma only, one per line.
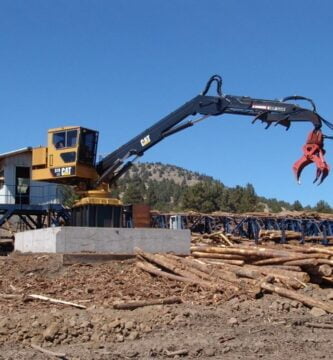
(62,152)
(88,147)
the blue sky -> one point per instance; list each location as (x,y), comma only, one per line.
(120,66)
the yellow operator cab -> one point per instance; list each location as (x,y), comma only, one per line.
(69,157)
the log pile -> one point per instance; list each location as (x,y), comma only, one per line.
(216,238)
(276,235)
(315,261)
(247,269)
(221,238)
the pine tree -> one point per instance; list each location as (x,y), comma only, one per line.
(135,191)
(323,207)
(297,206)
(203,197)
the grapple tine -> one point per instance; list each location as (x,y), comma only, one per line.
(323,176)
(262,116)
(299,166)
(284,121)
(318,174)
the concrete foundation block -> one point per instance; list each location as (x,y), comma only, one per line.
(101,240)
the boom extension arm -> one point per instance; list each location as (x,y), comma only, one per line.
(268,111)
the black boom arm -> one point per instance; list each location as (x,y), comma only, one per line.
(280,112)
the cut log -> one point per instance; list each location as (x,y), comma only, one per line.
(176,267)
(319,325)
(152,269)
(321,270)
(207,255)
(214,273)
(165,263)
(248,273)
(190,264)
(55,301)
(177,353)
(282,260)
(136,304)
(233,262)
(291,294)
(224,262)
(300,276)
(155,271)
(211,235)
(311,249)
(284,267)
(259,252)
(220,263)
(228,242)
(325,270)
(303,263)
(277,235)
(197,264)
(324,261)
(260,273)
(292,279)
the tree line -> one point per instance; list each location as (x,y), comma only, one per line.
(206,195)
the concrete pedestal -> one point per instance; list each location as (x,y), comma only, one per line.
(102,240)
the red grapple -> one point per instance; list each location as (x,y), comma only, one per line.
(314,152)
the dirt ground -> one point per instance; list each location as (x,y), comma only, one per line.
(207,324)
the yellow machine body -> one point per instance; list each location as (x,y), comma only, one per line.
(98,197)
(68,158)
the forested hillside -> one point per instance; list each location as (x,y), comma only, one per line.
(171,188)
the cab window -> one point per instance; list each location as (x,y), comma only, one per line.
(68,157)
(59,140)
(88,147)
(71,138)
(65,139)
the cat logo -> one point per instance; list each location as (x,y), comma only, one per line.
(63,171)
(145,141)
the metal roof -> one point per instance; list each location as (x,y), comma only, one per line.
(15,152)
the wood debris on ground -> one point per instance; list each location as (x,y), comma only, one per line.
(52,300)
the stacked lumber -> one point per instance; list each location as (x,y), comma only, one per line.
(247,269)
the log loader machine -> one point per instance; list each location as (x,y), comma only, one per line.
(70,155)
